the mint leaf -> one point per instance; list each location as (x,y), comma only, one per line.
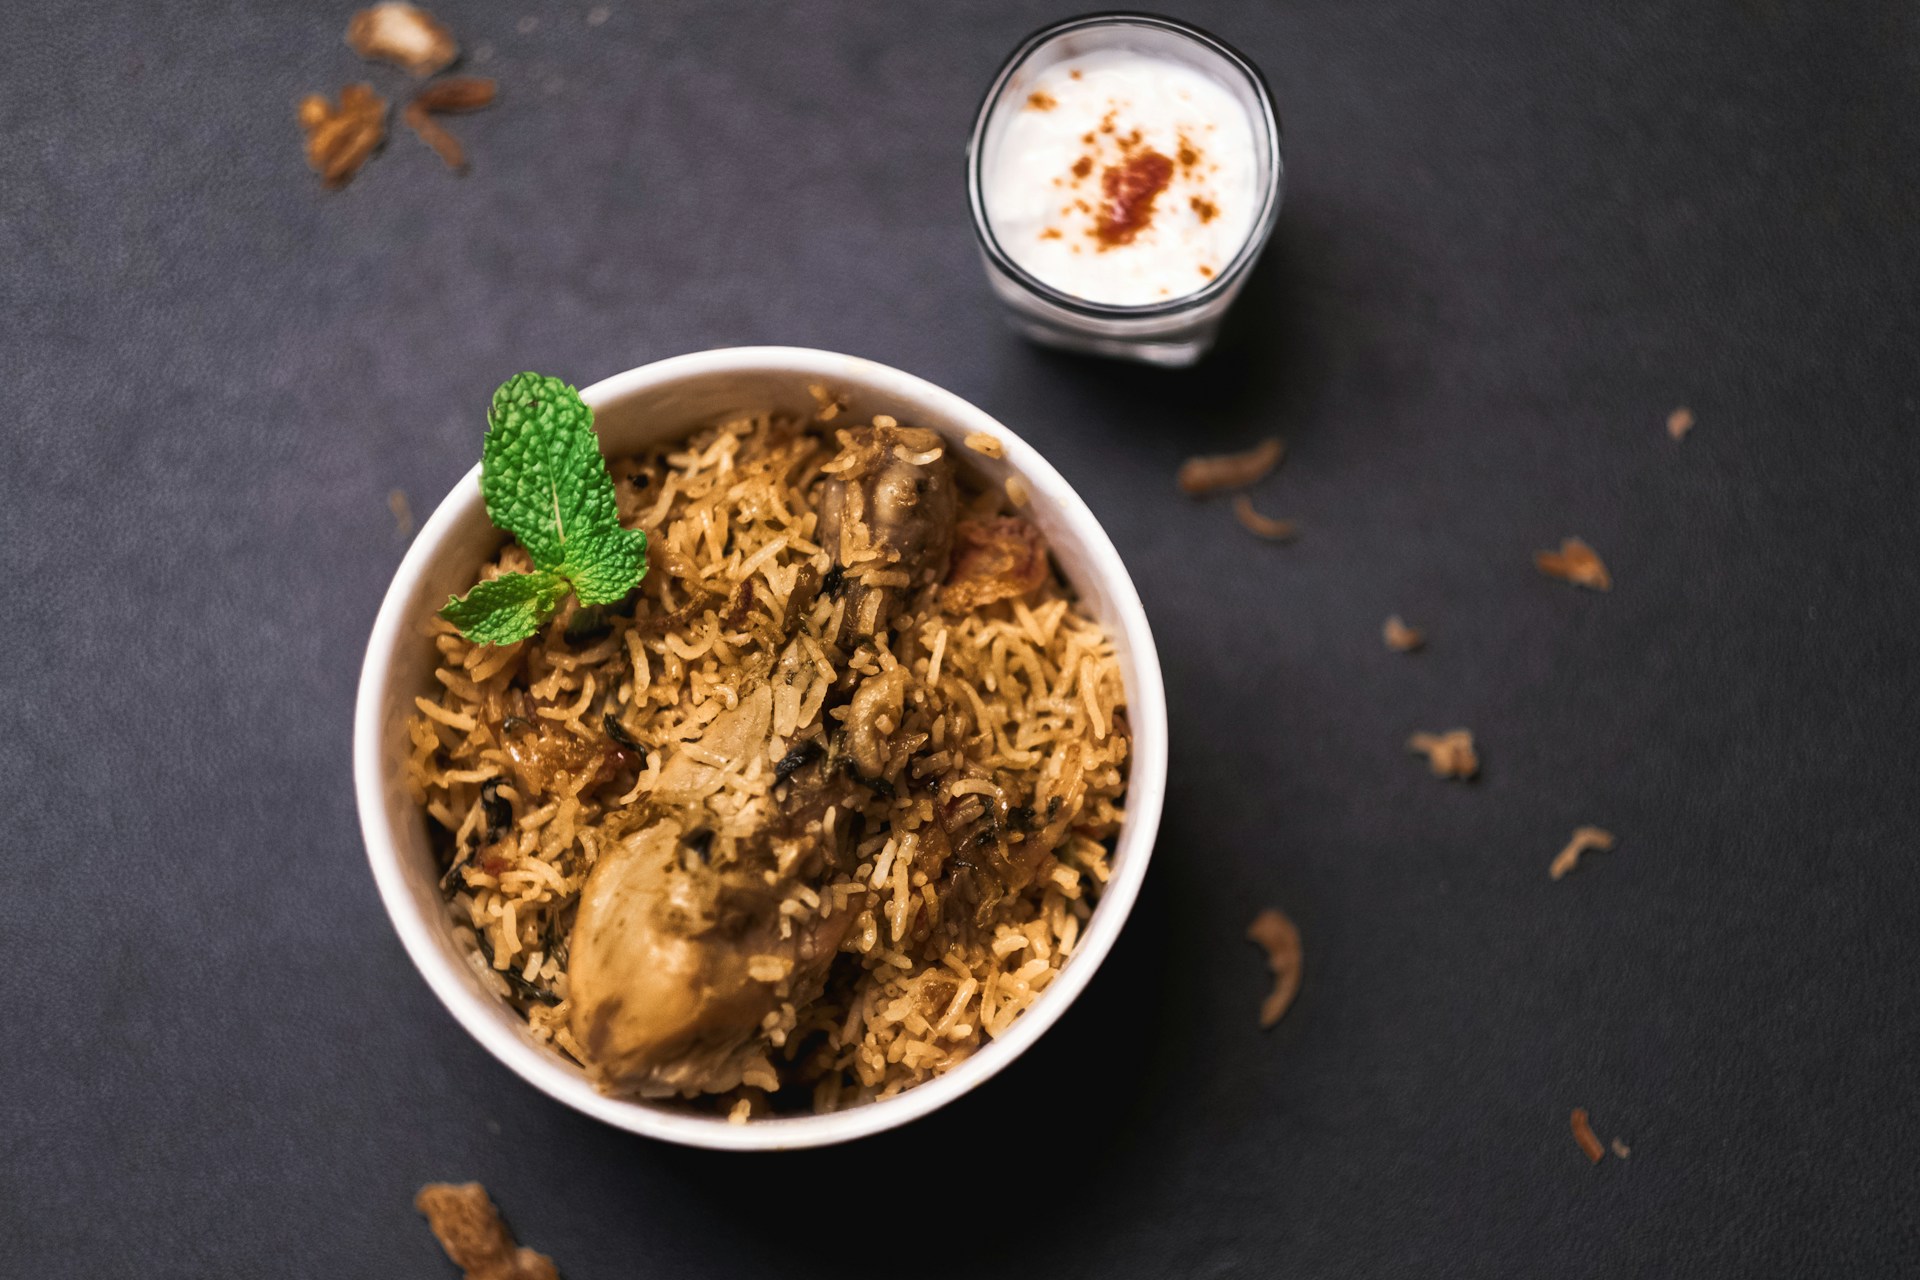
(604,569)
(541,471)
(545,482)
(507,608)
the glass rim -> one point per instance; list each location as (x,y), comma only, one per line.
(1249,251)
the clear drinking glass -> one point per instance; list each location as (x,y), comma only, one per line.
(1178,331)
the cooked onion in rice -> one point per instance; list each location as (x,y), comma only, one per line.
(815,812)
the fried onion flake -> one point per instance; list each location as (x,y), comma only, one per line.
(1276,935)
(1260,526)
(1584,839)
(341,137)
(1575,562)
(404,35)
(1210,473)
(1449,754)
(1400,637)
(1583,1134)
(463,1218)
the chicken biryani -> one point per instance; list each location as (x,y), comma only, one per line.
(816,810)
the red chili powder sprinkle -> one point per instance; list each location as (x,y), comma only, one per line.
(1087,138)
(1206,208)
(1040,101)
(1130,189)
(1053,233)
(1074,74)
(1206,271)
(1188,156)
(1083,166)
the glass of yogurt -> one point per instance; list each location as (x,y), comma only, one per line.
(1125,172)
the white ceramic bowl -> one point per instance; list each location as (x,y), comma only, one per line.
(634,409)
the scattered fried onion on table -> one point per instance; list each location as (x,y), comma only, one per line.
(1262,526)
(1400,637)
(402,512)
(455,93)
(1679,422)
(404,35)
(1584,839)
(1449,754)
(1275,934)
(1575,562)
(340,138)
(1583,1134)
(463,1218)
(1211,473)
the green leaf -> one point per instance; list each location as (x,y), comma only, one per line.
(542,474)
(545,482)
(507,608)
(604,569)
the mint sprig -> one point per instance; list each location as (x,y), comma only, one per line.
(507,608)
(545,482)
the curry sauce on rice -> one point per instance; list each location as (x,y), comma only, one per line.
(820,807)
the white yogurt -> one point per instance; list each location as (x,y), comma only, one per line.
(1122,178)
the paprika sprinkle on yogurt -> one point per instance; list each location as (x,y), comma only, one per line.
(1127,192)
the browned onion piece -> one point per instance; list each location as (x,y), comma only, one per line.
(1584,1135)
(1212,472)
(404,35)
(1400,637)
(1262,526)
(1575,562)
(997,559)
(463,1218)
(1275,934)
(1584,840)
(1449,754)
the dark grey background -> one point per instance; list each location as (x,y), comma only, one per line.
(1517,235)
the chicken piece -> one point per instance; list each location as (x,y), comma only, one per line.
(649,995)
(872,717)
(897,498)
(674,962)
(736,736)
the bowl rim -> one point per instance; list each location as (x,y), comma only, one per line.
(420,935)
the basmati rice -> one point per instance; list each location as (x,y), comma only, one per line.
(535,758)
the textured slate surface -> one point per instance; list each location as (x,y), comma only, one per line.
(1518,234)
